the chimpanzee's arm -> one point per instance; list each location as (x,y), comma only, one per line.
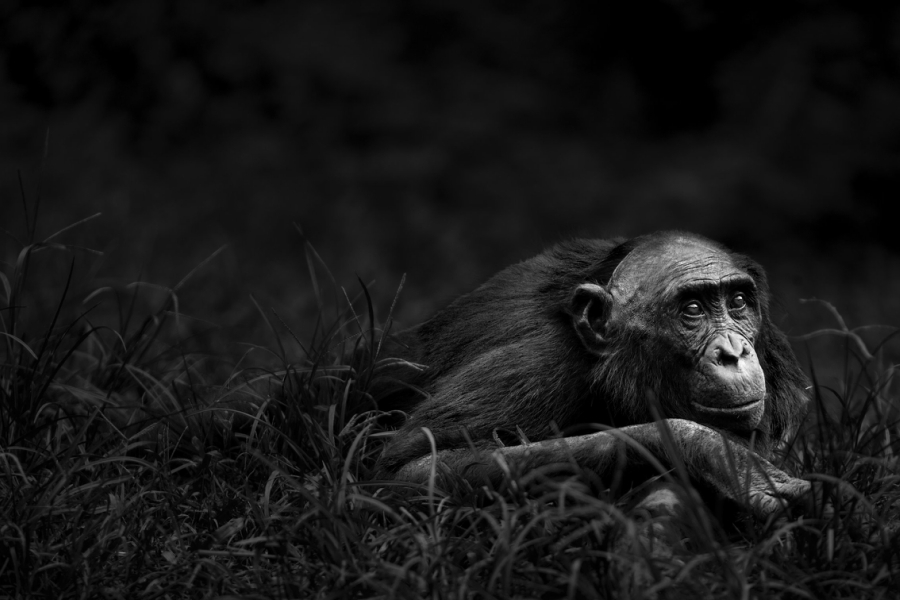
(729,468)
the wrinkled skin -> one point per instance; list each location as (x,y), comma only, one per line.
(666,339)
(694,298)
(733,471)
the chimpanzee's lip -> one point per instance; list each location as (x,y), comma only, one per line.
(729,410)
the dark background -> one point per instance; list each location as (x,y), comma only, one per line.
(447,139)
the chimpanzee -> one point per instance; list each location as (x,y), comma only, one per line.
(665,339)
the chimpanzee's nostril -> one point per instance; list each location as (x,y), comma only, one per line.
(727,350)
(726,356)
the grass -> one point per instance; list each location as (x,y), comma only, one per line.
(135,465)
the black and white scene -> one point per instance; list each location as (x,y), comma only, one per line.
(470,299)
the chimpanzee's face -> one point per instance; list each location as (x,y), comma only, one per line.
(687,297)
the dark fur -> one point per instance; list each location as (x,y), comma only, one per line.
(505,358)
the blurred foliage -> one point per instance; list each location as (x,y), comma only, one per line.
(447,139)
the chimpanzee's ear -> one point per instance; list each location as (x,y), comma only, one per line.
(590,308)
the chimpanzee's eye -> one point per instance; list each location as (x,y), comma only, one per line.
(692,309)
(737,302)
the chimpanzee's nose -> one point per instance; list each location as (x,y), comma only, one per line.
(727,349)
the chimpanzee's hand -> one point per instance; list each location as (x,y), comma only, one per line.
(734,470)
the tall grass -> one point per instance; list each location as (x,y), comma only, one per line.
(133,466)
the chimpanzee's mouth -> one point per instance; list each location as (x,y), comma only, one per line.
(735,409)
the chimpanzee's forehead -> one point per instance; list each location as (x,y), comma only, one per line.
(662,264)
